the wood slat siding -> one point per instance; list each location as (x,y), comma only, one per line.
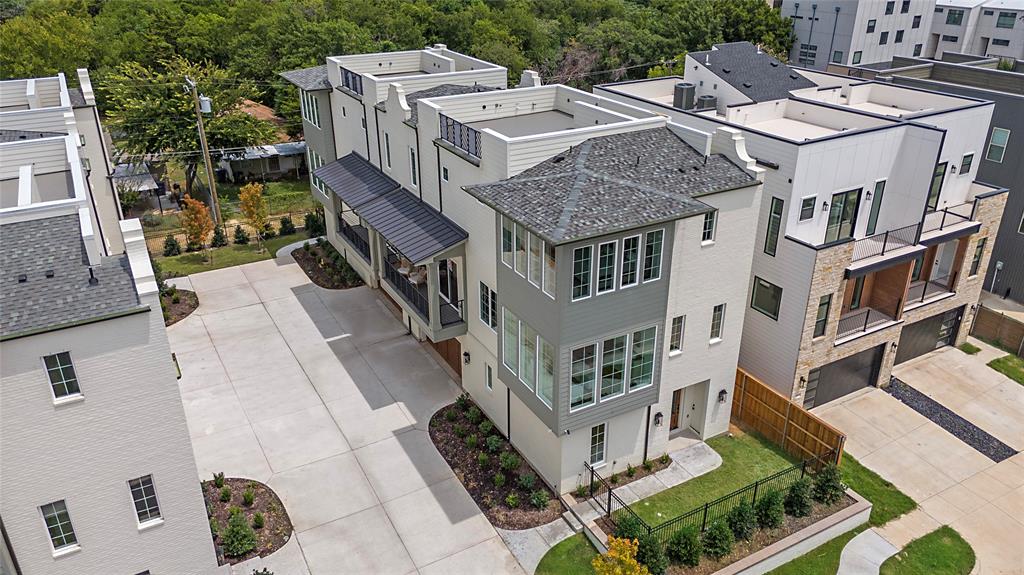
(994,326)
(796,430)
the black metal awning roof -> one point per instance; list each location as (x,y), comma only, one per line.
(410,225)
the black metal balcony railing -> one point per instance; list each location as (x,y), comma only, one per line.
(919,292)
(409,291)
(860,321)
(460,135)
(356,235)
(451,313)
(887,241)
(940,219)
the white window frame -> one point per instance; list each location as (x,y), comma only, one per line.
(615,266)
(66,547)
(512,242)
(639,261)
(537,279)
(803,200)
(721,324)
(596,391)
(413,172)
(156,502)
(589,272)
(661,256)
(675,340)
(541,344)
(516,228)
(704,240)
(629,359)
(550,271)
(488,377)
(625,367)
(1002,152)
(604,445)
(523,327)
(504,336)
(67,397)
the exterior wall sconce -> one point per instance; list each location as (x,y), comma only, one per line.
(465,357)
(824,206)
(721,395)
(657,419)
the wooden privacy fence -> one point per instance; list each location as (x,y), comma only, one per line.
(997,327)
(783,422)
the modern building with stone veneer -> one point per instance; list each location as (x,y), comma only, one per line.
(874,234)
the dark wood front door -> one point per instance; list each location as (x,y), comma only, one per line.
(451,352)
(677,397)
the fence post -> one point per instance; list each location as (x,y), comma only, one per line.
(756,483)
(704,521)
(609,501)
(803,468)
(591,469)
(885,241)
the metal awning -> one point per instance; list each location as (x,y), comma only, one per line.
(410,225)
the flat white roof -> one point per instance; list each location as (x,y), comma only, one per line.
(527,124)
(793,129)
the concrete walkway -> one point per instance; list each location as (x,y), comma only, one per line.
(321,395)
(865,553)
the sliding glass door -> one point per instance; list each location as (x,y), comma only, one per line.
(842,215)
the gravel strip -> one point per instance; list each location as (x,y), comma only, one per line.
(960,428)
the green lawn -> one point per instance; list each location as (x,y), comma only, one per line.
(941,552)
(745,459)
(570,557)
(887,502)
(287,196)
(822,560)
(1011,366)
(969,348)
(227,256)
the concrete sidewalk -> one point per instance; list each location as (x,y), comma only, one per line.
(321,395)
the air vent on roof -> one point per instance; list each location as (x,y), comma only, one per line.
(93,280)
(793,76)
(774,64)
(747,84)
(558,159)
(49,273)
(726,70)
(22,278)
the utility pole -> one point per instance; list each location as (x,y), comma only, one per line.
(191,86)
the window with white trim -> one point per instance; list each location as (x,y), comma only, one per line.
(807,208)
(652,254)
(546,375)
(549,269)
(387,148)
(309,108)
(507,234)
(582,376)
(488,377)
(710,220)
(58,524)
(509,340)
(315,161)
(488,307)
(630,262)
(997,145)
(144,496)
(536,263)
(641,364)
(606,267)
(675,340)
(444,173)
(582,260)
(613,367)
(1006,20)
(527,355)
(61,372)
(717,320)
(597,444)
(520,244)
(413,171)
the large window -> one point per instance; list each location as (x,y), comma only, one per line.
(997,144)
(581,266)
(507,235)
(510,340)
(821,320)
(630,261)
(771,239)
(520,243)
(613,367)
(536,263)
(606,267)
(641,363)
(675,340)
(842,215)
(546,377)
(314,160)
(62,376)
(954,17)
(582,375)
(597,444)
(979,250)
(858,292)
(58,523)
(876,205)
(652,254)
(717,321)
(1006,19)
(767,298)
(936,188)
(144,496)
(527,355)
(488,307)
(309,108)
(708,232)
(549,269)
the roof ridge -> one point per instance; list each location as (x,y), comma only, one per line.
(577,187)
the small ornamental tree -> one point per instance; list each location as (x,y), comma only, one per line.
(219,238)
(620,559)
(241,236)
(239,537)
(195,221)
(769,510)
(650,552)
(798,498)
(828,485)
(254,209)
(171,246)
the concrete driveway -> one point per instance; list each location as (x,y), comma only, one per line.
(952,482)
(321,395)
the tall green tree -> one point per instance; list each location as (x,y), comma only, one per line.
(32,46)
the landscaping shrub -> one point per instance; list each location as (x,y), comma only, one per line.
(450,415)
(647,465)
(314,223)
(214,526)
(238,538)
(512,500)
(664,459)
(685,546)
(509,461)
(306,247)
(527,480)
(742,521)
(175,298)
(459,430)
(798,498)
(630,470)
(474,415)
(581,491)
(540,498)
(263,571)
(268,231)
(472,441)
(171,246)
(483,459)
(614,479)
(499,479)
(219,239)
(462,402)
(241,236)
(630,527)
(493,443)
(287,226)
(718,540)
(828,485)
(650,553)
(769,510)
(258,521)
(486,427)
(225,493)
(248,497)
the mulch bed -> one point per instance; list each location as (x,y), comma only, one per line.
(277,527)
(175,312)
(326,267)
(479,479)
(622,477)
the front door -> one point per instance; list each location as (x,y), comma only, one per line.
(695,399)
(677,397)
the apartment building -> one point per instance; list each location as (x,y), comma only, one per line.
(978,27)
(97,467)
(853,32)
(874,234)
(494,219)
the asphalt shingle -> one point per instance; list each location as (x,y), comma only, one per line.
(757,76)
(308,79)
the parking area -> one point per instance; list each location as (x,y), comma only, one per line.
(321,395)
(952,482)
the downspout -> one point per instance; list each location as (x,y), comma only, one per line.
(366,132)
(440,197)
(376,130)
(647,432)
(832,43)
(419,163)
(810,33)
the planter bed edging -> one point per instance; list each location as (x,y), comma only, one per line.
(795,545)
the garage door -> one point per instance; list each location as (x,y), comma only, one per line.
(844,376)
(921,337)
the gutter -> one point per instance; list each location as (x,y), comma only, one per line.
(81,322)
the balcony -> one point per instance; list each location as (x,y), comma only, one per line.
(873,301)
(950,222)
(889,242)
(862,321)
(357,236)
(411,283)
(461,136)
(926,291)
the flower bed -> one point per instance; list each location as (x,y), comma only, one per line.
(177,304)
(506,488)
(262,525)
(325,266)
(624,477)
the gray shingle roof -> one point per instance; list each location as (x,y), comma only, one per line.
(32,248)
(435,92)
(612,183)
(308,79)
(759,77)
(355,180)
(22,135)
(77,97)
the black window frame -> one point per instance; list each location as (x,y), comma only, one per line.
(821,319)
(775,289)
(774,227)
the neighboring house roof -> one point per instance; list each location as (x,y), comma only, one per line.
(136,176)
(267,114)
(77,97)
(308,79)
(34,247)
(268,151)
(435,92)
(612,183)
(22,135)
(757,76)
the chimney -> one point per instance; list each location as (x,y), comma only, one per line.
(529,79)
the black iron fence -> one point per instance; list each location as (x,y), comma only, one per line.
(919,292)
(355,236)
(704,516)
(460,135)
(451,312)
(887,241)
(860,321)
(410,292)
(939,219)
